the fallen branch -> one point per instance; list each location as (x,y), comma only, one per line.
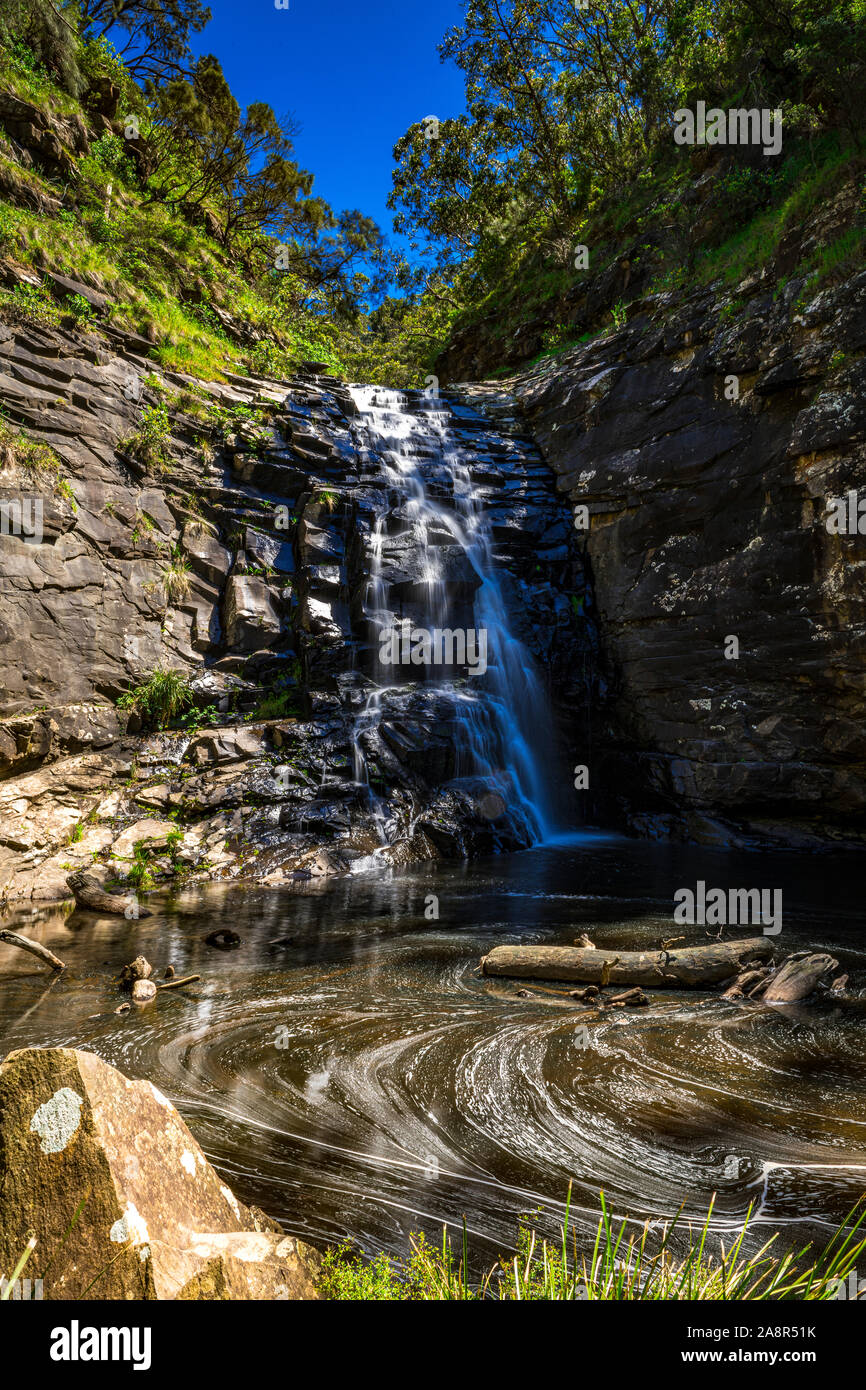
(749,980)
(630,999)
(24,943)
(176,984)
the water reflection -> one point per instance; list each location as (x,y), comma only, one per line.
(350,1070)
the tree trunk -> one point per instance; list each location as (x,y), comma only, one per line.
(90,895)
(693,967)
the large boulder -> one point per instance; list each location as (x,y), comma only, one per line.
(211,559)
(154,833)
(156,1221)
(252,619)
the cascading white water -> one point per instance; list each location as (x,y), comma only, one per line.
(502,716)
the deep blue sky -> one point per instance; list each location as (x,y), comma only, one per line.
(354,73)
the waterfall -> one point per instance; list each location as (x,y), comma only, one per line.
(431,569)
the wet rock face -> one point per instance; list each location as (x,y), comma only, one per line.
(157,1222)
(707,521)
(259,559)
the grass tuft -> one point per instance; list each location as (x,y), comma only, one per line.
(638,1267)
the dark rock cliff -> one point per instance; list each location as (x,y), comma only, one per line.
(707,438)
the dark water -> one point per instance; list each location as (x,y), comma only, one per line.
(412,1091)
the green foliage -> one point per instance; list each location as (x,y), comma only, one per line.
(139,872)
(160,698)
(176,577)
(198,718)
(173,840)
(148,443)
(156,32)
(79,308)
(29,304)
(567,138)
(206,151)
(279,704)
(204,208)
(109,152)
(34,459)
(8,229)
(621,1268)
(41,46)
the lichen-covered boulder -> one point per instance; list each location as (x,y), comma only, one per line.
(83,1146)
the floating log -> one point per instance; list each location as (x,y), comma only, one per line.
(90,895)
(11,938)
(692,967)
(798,978)
(847,1000)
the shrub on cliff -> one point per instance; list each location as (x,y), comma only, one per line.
(159,699)
(189,209)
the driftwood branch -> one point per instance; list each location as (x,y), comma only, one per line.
(693,967)
(176,984)
(797,979)
(24,943)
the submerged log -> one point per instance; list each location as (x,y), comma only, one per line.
(224,940)
(90,895)
(797,979)
(847,1000)
(11,938)
(630,999)
(692,967)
